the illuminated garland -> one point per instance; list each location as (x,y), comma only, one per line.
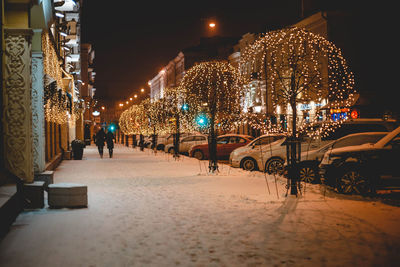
(134,120)
(56,107)
(51,63)
(148,117)
(212,87)
(297,64)
(321,73)
(261,122)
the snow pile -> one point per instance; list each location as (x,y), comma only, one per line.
(149,209)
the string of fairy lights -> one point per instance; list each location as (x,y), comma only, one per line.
(295,65)
(58,105)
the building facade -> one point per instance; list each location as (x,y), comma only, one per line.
(212,48)
(41,102)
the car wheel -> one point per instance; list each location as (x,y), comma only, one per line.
(249,164)
(274,165)
(353,181)
(171,150)
(160,147)
(198,154)
(308,174)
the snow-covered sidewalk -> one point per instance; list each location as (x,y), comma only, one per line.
(150,210)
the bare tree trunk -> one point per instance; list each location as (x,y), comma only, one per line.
(154,139)
(141,142)
(293,151)
(212,146)
(134,142)
(177,136)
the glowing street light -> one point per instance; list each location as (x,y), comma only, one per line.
(103,107)
(212,25)
(130,98)
(135,96)
(142,90)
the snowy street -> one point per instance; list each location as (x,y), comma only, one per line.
(149,209)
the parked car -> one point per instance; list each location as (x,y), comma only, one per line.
(186,143)
(274,156)
(309,160)
(249,156)
(160,139)
(147,141)
(164,140)
(269,158)
(362,168)
(225,145)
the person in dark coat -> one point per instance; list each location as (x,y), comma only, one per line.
(110,142)
(100,138)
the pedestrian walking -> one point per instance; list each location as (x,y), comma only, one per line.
(100,138)
(110,138)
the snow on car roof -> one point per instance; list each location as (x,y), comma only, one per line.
(351,148)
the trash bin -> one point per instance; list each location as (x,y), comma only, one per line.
(77,148)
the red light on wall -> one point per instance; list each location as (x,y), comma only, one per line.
(354,114)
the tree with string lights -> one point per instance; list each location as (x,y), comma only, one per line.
(134,121)
(212,92)
(298,67)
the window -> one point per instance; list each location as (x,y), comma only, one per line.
(222,140)
(263,141)
(233,140)
(199,138)
(187,139)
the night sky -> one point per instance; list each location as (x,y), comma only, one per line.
(134,41)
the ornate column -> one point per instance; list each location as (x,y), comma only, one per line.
(17,118)
(39,143)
